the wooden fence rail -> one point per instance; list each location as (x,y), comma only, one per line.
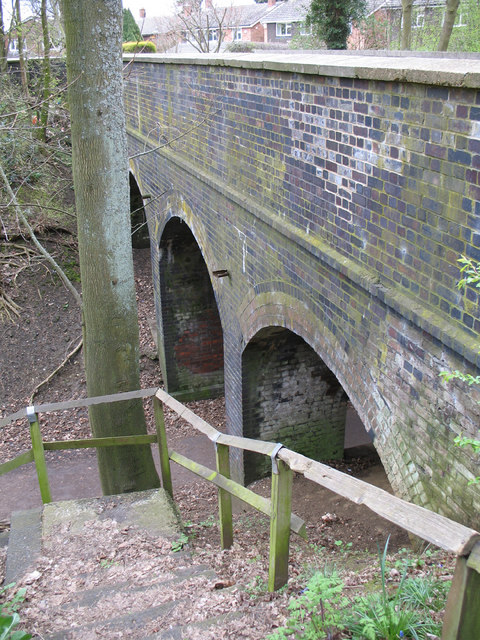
(462,615)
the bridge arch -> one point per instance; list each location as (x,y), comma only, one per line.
(188,319)
(295,373)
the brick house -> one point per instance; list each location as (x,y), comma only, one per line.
(238,23)
(285,20)
(244,23)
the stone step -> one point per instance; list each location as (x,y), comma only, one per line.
(150,605)
(131,624)
(90,597)
(184,631)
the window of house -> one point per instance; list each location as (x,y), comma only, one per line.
(284,28)
(237,34)
(460,20)
(419,21)
(13,46)
(213,35)
(304,30)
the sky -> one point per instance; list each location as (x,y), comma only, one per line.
(153,7)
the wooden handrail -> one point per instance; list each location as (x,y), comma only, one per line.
(426,524)
(430,526)
(462,616)
(80,402)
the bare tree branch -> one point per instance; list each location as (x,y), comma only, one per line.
(40,248)
(180,135)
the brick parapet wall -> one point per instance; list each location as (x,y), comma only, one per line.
(334,225)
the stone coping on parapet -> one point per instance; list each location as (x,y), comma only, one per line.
(454,70)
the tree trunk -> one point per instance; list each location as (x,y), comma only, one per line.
(46,72)
(93,31)
(448,22)
(21,52)
(3,43)
(407,6)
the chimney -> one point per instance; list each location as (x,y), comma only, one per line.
(208,5)
(143,14)
(271,3)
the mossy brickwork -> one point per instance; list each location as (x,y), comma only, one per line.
(290,396)
(339,200)
(192,341)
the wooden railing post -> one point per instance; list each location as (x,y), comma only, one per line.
(224,497)
(162,446)
(280,524)
(462,613)
(39,455)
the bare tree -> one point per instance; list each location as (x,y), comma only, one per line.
(47,72)
(203,29)
(20,45)
(3,43)
(407,8)
(451,9)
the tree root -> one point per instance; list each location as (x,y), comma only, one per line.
(54,373)
(8,307)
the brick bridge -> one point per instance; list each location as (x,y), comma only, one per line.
(306,217)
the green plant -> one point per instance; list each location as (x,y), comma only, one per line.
(257,587)
(318,610)
(380,620)
(330,20)
(131,31)
(342,546)
(106,563)
(13,603)
(385,616)
(177,545)
(9,617)
(7,623)
(424,593)
(72,270)
(470,271)
(408,561)
(208,522)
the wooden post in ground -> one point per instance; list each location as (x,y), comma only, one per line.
(162,446)
(39,455)
(280,524)
(462,613)
(224,497)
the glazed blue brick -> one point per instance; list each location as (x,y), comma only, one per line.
(334,200)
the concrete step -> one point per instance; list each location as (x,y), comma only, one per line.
(138,609)
(185,631)
(90,597)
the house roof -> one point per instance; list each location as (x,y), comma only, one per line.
(247,15)
(289,11)
(375,5)
(152,25)
(234,16)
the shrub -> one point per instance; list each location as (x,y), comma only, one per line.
(143,46)
(240,47)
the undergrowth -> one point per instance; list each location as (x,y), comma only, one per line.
(9,617)
(409,610)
